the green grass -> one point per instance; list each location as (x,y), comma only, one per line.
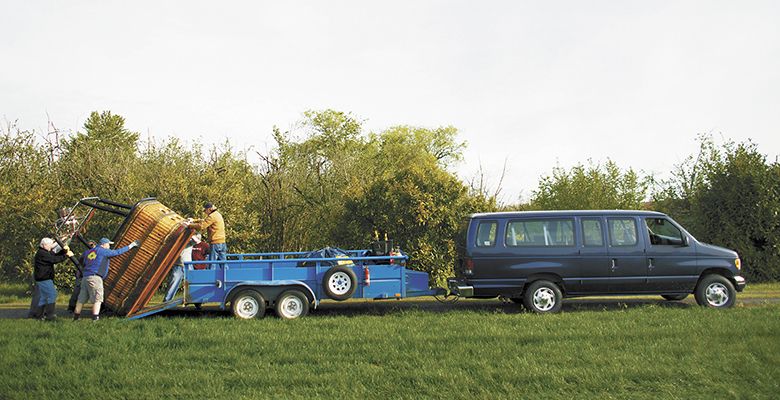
(647,352)
(15,293)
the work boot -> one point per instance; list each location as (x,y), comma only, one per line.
(49,310)
(76,316)
(35,313)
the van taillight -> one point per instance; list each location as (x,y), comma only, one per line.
(468,266)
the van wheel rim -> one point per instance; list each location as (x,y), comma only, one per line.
(717,294)
(247,307)
(340,283)
(292,307)
(544,299)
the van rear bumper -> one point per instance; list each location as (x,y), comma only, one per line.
(460,288)
(740,283)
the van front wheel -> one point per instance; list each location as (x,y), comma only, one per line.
(715,291)
(543,297)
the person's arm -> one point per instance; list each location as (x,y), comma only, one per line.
(200,224)
(55,258)
(115,252)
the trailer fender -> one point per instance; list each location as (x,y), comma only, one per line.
(274,283)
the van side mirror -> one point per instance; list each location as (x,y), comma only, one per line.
(685,240)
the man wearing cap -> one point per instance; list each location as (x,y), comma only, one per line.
(77,275)
(96,267)
(215,226)
(43,272)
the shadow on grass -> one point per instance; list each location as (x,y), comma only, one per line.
(391,307)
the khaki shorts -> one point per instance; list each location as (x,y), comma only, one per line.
(91,289)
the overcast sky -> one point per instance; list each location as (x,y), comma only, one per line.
(533,83)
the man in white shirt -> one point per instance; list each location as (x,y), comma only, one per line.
(178,272)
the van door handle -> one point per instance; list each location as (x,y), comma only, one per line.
(650,263)
(613,267)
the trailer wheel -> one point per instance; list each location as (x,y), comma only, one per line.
(292,304)
(248,304)
(339,283)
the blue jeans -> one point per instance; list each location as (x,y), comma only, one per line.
(218,252)
(48,293)
(178,275)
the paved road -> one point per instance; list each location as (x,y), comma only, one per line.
(383,307)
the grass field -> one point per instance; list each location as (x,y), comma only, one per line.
(645,352)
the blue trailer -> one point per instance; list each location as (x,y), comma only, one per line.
(292,284)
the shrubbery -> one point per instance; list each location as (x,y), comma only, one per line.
(330,183)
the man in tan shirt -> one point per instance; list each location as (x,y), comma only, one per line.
(215,226)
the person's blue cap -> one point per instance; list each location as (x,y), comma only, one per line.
(105,241)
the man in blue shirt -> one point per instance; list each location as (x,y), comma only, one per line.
(96,266)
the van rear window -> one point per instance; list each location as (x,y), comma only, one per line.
(540,233)
(486,233)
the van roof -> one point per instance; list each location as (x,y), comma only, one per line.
(567,213)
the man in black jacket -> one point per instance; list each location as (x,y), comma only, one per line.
(43,273)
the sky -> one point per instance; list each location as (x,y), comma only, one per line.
(529,84)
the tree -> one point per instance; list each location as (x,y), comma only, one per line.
(729,195)
(594,186)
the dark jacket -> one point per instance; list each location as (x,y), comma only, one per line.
(200,252)
(44,264)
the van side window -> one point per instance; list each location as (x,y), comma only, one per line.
(663,233)
(622,232)
(486,234)
(540,232)
(592,232)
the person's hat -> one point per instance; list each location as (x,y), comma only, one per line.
(208,205)
(105,241)
(46,242)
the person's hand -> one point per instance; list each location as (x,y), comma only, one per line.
(69,253)
(66,248)
(134,244)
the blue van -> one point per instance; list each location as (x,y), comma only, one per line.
(540,257)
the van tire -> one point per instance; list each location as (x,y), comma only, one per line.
(339,283)
(715,291)
(674,297)
(292,304)
(248,304)
(543,297)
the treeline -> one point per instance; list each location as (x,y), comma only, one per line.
(330,183)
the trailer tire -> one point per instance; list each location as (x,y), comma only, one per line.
(248,304)
(339,283)
(292,304)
